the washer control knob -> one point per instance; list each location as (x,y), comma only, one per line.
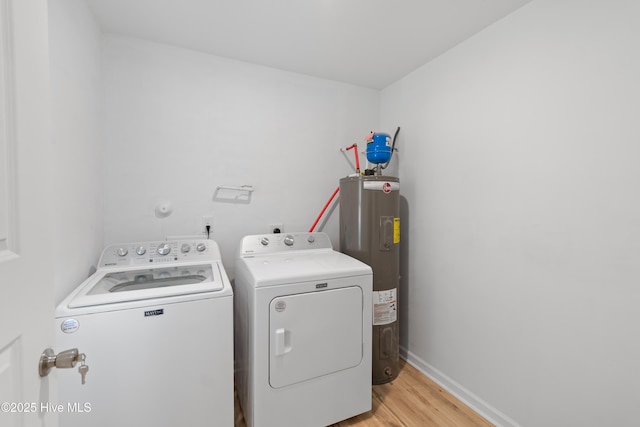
(164,249)
(201,247)
(185,248)
(122,251)
(264,241)
(311,239)
(288,240)
(141,250)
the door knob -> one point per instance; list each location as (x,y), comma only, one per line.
(64,359)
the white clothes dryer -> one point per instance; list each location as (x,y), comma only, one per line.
(155,322)
(302,331)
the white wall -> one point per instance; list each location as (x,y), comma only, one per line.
(519,166)
(178,123)
(76,217)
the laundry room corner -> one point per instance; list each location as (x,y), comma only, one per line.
(521,292)
(180,123)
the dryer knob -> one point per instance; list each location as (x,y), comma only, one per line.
(185,248)
(164,249)
(264,241)
(122,251)
(141,250)
(311,239)
(288,240)
(201,247)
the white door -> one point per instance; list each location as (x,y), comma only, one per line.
(26,283)
(314,334)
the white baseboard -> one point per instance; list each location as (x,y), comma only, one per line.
(491,414)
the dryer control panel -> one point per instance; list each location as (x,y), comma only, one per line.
(272,243)
(160,252)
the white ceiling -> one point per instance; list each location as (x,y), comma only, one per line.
(370,43)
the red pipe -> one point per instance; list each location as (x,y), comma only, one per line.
(325,207)
(355,151)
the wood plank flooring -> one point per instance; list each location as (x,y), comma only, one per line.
(411,400)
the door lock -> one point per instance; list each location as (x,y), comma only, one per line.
(63,360)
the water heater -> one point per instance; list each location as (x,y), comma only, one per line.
(370,232)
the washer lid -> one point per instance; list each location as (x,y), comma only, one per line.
(108,287)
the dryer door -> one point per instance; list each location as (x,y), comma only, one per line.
(314,334)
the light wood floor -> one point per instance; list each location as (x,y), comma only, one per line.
(411,400)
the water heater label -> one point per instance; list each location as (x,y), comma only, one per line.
(386,187)
(385,308)
(396,231)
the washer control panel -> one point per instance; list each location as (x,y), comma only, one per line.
(283,242)
(161,252)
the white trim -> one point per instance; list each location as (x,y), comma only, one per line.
(490,413)
(8,230)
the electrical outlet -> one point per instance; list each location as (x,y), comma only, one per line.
(276,228)
(207,221)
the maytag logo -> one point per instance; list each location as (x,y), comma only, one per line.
(157,312)
(321,285)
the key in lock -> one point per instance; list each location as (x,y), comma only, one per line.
(84,368)
(63,360)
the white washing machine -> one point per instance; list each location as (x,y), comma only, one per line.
(155,322)
(303,331)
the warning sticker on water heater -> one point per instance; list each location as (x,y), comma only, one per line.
(396,231)
(385,308)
